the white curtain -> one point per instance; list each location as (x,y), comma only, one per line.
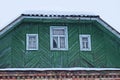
(62,42)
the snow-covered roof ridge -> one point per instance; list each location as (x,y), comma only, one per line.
(58,13)
(60,69)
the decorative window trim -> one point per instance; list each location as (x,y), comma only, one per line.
(65,36)
(81,36)
(27,41)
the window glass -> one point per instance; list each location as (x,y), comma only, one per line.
(58,32)
(55,42)
(58,38)
(62,42)
(85,42)
(32,42)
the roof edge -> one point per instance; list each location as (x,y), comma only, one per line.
(57,15)
(80,17)
(60,69)
(10,25)
(107,26)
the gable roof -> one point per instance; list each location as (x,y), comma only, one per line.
(54,16)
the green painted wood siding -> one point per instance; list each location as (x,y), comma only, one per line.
(105,46)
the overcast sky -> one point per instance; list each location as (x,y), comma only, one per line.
(109,10)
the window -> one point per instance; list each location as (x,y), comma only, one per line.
(59,38)
(31,41)
(85,42)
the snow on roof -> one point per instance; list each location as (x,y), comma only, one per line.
(60,69)
(58,12)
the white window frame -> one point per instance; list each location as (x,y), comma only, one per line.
(27,41)
(81,42)
(51,37)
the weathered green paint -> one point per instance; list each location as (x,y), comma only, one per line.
(105,46)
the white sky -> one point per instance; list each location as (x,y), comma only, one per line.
(109,10)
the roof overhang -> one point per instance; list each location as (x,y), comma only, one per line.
(73,17)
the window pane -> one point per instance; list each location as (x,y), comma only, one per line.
(55,42)
(32,42)
(62,42)
(58,32)
(85,39)
(58,38)
(85,42)
(87,45)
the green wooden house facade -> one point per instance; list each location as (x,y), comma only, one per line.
(59,41)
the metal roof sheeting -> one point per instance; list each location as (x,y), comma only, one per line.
(53,15)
